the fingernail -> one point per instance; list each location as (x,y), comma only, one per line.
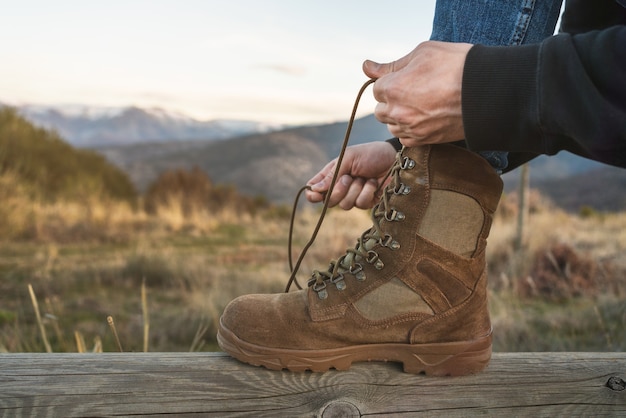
(371,66)
(317,186)
(370,63)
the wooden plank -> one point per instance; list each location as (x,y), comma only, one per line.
(213,384)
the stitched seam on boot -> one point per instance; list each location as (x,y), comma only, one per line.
(481,196)
(391,299)
(437,276)
(441,316)
(467,221)
(356,316)
(325,314)
(450,254)
(419,327)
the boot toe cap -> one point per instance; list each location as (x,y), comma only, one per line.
(265,319)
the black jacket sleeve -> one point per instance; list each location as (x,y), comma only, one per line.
(565,93)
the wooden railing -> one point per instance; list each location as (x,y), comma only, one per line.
(213,384)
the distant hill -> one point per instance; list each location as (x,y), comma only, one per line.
(572,182)
(88,127)
(274,164)
(603,189)
(277,164)
(45,166)
(264,160)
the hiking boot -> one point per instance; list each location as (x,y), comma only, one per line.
(413,289)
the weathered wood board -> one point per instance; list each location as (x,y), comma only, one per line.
(213,384)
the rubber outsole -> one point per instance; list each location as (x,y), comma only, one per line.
(434,359)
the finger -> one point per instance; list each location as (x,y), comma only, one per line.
(317,182)
(412,142)
(353,192)
(366,199)
(317,191)
(340,190)
(314,197)
(396,130)
(317,188)
(376,70)
(321,181)
(383,115)
(379,91)
(381,112)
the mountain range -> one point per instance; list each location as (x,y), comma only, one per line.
(277,164)
(274,164)
(89,126)
(275,161)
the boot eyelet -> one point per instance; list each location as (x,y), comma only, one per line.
(402,189)
(319,286)
(373,258)
(407,163)
(389,242)
(394,215)
(320,289)
(357,272)
(338,281)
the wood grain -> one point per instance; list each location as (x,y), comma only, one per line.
(213,384)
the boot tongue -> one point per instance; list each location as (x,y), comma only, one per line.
(350,258)
(372,241)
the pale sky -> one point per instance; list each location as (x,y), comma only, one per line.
(278,61)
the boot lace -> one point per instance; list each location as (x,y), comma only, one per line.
(365,250)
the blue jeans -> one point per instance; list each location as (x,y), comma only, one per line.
(495,22)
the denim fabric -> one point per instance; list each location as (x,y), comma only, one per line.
(495,22)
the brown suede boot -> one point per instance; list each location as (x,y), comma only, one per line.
(413,290)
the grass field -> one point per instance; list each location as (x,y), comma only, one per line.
(168,276)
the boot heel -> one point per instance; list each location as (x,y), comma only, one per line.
(471,357)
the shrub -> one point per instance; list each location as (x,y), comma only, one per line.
(559,273)
(190,189)
(193,191)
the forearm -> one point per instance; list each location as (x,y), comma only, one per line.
(567,93)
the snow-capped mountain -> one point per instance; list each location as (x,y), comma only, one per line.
(87,126)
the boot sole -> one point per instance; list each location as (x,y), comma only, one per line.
(435,359)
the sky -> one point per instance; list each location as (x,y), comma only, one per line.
(274,61)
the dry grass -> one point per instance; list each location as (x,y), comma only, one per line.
(601,237)
(166,277)
(588,313)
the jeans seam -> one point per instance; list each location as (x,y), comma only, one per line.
(523,21)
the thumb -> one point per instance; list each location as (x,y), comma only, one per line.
(375,70)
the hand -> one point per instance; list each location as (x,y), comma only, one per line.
(363,168)
(419,95)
